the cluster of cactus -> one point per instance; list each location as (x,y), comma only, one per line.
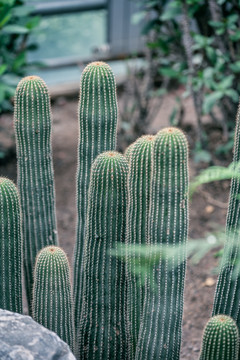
(139,199)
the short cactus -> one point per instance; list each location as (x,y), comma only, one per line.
(11,248)
(160,330)
(102,332)
(139,182)
(32,120)
(97,133)
(220,339)
(52,294)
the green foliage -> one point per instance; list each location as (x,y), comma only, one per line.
(196,43)
(11,248)
(216,173)
(103,328)
(52,294)
(33,126)
(97,115)
(220,339)
(142,263)
(16,24)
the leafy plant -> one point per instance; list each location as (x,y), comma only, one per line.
(216,173)
(196,44)
(16,24)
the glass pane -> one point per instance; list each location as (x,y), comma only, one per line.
(70,35)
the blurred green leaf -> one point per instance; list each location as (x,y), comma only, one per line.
(33,22)
(3,68)
(5,16)
(235,36)
(15,29)
(19,61)
(139,16)
(202,156)
(172,10)
(169,72)
(210,100)
(235,67)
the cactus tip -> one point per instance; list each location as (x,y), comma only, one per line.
(32,77)
(150,137)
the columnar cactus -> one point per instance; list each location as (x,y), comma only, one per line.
(11,252)
(97,133)
(52,294)
(227,299)
(160,330)
(139,183)
(32,120)
(102,331)
(220,339)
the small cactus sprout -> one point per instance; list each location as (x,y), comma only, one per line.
(52,293)
(160,329)
(11,252)
(227,299)
(139,182)
(220,339)
(97,116)
(32,120)
(102,331)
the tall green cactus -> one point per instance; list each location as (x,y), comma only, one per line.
(11,250)
(227,295)
(52,294)
(32,120)
(97,133)
(102,331)
(160,330)
(220,339)
(139,182)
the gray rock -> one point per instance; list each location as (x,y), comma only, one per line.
(21,338)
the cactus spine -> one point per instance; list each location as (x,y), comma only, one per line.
(102,331)
(97,133)
(139,181)
(220,339)
(160,330)
(32,119)
(52,293)
(11,251)
(227,299)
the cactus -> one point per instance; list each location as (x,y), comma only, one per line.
(102,331)
(97,133)
(10,248)
(128,150)
(227,299)
(160,330)
(139,181)
(220,339)
(32,120)
(52,294)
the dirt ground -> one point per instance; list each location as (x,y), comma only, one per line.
(207,208)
